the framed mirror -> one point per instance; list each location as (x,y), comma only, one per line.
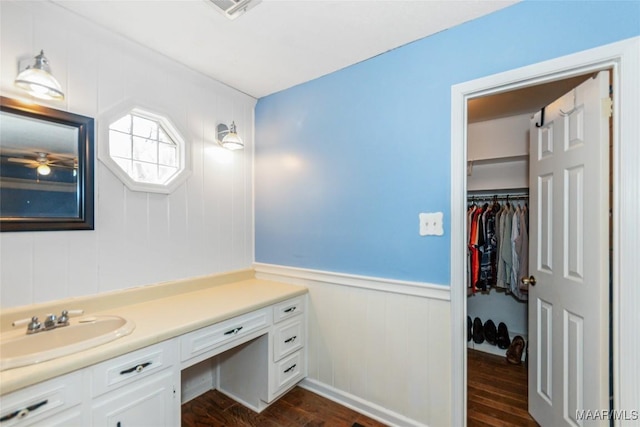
(46,168)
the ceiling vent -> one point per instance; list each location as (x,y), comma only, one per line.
(233,8)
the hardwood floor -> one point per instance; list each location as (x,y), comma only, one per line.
(297,408)
(497,396)
(496,392)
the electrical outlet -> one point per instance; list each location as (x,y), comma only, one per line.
(431,224)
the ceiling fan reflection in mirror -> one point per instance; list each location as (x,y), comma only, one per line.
(43,162)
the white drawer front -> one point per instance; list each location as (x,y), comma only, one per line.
(37,404)
(289,371)
(289,308)
(207,339)
(288,337)
(131,367)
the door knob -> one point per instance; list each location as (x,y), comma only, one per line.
(530,281)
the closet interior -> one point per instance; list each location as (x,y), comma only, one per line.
(497,225)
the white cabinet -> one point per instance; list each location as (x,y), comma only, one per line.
(211,340)
(137,389)
(288,357)
(147,402)
(257,357)
(262,368)
(55,402)
(131,367)
(287,309)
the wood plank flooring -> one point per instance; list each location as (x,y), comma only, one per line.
(496,392)
(297,408)
(497,396)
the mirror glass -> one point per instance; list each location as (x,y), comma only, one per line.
(46,168)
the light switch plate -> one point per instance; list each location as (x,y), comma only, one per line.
(431,224)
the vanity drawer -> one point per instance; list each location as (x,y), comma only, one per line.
(40,404)
(289,371)
(114,373)
(288,337)
(289,308)
(211,337)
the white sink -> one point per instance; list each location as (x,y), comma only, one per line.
(19,349)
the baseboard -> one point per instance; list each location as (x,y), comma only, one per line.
(360,405)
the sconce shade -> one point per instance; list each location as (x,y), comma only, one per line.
(228,137)
(38,80)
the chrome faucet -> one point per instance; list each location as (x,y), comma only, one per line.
(34,326)
(51,322)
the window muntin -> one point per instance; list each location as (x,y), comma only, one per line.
(144,149)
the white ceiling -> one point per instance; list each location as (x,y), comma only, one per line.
(278,43)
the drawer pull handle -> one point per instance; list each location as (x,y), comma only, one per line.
(234,331)
(292,339)
(290,368)
(19,414)
(290,309)
(138,368)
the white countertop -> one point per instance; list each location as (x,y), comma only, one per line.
(158,319)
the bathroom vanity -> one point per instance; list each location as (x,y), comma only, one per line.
(249,333)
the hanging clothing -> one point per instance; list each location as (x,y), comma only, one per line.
(501,280)
(506,253)
(520,254)
(497,248)
(524,251)
(476,240)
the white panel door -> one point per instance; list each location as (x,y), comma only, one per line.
(569,241)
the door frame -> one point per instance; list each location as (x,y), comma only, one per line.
(623,59)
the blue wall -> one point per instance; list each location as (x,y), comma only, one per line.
(345,163)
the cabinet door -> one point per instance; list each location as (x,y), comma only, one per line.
(149,402)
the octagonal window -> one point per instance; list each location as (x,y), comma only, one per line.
(145,151)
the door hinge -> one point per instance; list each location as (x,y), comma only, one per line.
(607,107)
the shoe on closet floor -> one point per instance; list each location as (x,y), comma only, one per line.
(514,353)
(478,335)
(502,340)
(469,327)
(490,332)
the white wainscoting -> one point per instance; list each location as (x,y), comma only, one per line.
(381,347)
(205,226)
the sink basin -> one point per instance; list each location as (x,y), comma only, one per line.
(19,349)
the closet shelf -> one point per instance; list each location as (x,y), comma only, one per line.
(496,160)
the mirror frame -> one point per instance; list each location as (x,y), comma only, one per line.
(85,126)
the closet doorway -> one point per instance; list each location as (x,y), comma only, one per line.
(500,130)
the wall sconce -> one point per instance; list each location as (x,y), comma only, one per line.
(38,80)
(228,137)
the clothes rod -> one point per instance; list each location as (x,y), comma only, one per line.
(499,193)
(487,196)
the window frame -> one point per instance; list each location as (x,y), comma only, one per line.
(172,131)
